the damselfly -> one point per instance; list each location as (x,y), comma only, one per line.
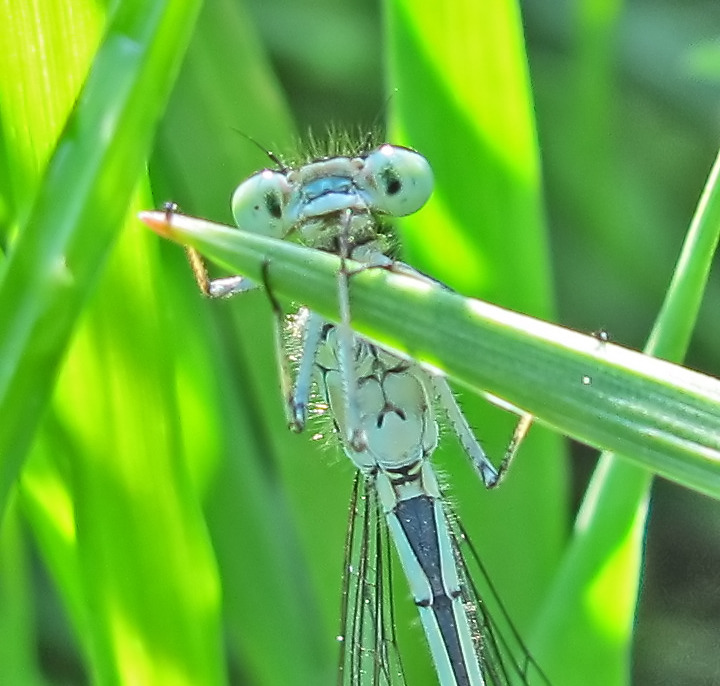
(383,409)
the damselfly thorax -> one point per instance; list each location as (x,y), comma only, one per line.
(393,405)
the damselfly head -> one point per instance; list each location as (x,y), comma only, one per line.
(389,180)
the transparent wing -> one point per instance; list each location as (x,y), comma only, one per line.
(369,654)
(369,651)
(505,660)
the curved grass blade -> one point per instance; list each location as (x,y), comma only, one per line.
(460,92)
(659,414)
(610,528)
(64,241)
(106,490)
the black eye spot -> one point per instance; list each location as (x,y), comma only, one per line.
(393,185)
(272,204)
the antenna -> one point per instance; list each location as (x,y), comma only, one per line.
(268,153)
(381,115)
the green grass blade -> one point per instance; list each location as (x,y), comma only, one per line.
(659,414)
(77,213)
(115,516)
(135,513)
(675,324)
(463,99)
(459,93)
(42,75)
(274,544)
(594,595)
(17,626)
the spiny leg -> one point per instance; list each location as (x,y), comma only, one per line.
(297,398)
(216,288)
(212,288)
(489,474)
(312,332)
(199,270)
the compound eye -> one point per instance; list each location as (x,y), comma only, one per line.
(400,180)
(259,203)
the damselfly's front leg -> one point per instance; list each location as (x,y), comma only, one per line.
(216,288)
(296,396)
(355,438)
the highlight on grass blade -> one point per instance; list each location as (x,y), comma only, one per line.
(160,222)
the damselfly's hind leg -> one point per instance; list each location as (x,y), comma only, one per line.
(490,475)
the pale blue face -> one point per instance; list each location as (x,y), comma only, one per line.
(390,180)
